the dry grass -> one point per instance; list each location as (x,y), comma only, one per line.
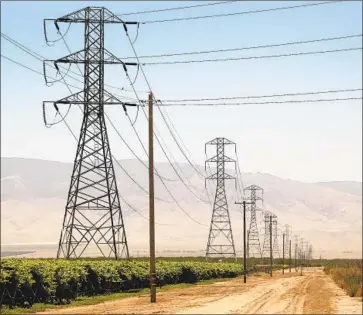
(348,276)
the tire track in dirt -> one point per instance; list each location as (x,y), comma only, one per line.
(296,298)
(276,300)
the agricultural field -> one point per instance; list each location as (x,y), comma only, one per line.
(26,281)
(39,284)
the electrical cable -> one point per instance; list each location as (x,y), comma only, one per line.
(158,140)
(261,103)
(178,144)
(53,41)
(128,146)
(137,33)
(155,129)
(176,8)
(239,13)
(252,57)
(144,75)
(247,48)
(263,96)
(42,58)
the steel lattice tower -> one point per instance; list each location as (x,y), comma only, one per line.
(93,212)
(254,247)
(220,240)
(275,241)
(287,239)
(266,241)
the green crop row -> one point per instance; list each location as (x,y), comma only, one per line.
(26,281)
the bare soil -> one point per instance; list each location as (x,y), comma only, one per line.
(312,293)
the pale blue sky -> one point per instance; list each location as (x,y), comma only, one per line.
(308,141)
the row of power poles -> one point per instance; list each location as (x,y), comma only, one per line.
(300,254)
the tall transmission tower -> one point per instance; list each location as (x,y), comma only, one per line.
(254,248)
(220,240)
(93,212)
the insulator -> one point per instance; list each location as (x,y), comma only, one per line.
(57,26)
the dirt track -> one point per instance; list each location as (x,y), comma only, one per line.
(312,293)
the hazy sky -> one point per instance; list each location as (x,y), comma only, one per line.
(302,141)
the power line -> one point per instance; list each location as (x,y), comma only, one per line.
(131,150)
(249,47)
(262,96)
(136,183)
(177,8)
(144,75)
(238,13)
(43,58)
(252,57)
(261,103)
(231,104)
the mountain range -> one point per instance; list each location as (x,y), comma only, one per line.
(327,214)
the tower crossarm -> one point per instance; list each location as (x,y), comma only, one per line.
(223,158)
(80,16)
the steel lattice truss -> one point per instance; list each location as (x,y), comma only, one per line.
(275,241)
(287,239)
(220,240)
(93,212)
(254,247)
(266,240)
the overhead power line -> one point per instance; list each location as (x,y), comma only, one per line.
(178,102)
(239,13)
(63,119)
(262,96)
(252,57)
(177,8)
(42,58)
(261,103)
(249,47)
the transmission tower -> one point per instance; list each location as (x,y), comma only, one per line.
(254,248)
(93,212)
(287,239)
(266,241)
(275,246)
(220,240)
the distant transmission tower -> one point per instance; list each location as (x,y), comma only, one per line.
(93,212)
(287,239)
(220,240)
(275,246)
(266,241)
(254,247)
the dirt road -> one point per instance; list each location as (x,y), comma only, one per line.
(312,293)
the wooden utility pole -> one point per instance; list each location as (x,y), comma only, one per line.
(271,244)
(151,203)
(295,256)
(244,240)
(283,253)
(290,255)
(244,243)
